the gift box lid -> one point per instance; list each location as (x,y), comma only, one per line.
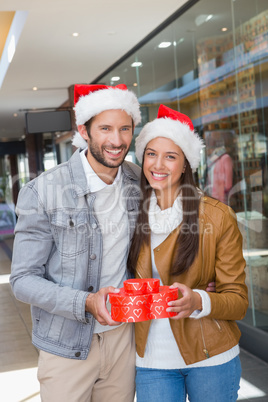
(163,295)
(124,298)
(141,286)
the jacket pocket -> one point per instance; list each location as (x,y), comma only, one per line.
(217,335)
(56,329)
(71,232)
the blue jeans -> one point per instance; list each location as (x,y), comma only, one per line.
(201,384)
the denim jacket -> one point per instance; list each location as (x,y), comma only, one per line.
(57,254)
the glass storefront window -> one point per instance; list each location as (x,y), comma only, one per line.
(49,151)
(7,207)
(211,63)
(23,168)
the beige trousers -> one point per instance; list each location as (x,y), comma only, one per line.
(108,373)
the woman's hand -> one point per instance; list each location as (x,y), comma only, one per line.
(184,306)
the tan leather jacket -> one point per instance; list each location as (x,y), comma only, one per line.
(220,259)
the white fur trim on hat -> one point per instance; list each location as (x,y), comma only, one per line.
(96,102)
(180,133)
(78,141)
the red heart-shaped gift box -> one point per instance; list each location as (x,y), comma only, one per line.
(141,300)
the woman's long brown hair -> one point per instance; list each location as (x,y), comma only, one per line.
(188,238)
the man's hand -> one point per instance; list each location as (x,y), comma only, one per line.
(96,305)
(211,287)
(189,302)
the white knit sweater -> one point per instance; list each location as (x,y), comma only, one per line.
(161,349)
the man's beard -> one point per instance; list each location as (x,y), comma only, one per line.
(96,153)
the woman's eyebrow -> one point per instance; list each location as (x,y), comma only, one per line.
(167,152)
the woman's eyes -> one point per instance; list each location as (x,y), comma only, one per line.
(171,157)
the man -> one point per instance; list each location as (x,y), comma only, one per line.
(71,244)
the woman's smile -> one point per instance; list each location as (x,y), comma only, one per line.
(159,176)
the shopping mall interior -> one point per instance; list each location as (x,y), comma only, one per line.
(205,58)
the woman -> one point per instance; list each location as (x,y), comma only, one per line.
(192,240)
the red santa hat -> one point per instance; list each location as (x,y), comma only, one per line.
(90,100)
(177,127)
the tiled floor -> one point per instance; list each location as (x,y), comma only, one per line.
(18,358)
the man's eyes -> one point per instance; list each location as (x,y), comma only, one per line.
(122,129)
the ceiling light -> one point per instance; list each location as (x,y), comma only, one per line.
(115,78)
(179,41)
(15,114)
(224,29)
(34,88)
(163,45)
(135,84)
(11,49)
(11,42)
(136,64)
(202,18)
(75,34)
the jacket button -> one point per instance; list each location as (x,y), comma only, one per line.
(90,288)
(94,225)
(78,354)
(92,256)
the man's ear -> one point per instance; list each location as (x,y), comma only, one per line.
(82,131)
